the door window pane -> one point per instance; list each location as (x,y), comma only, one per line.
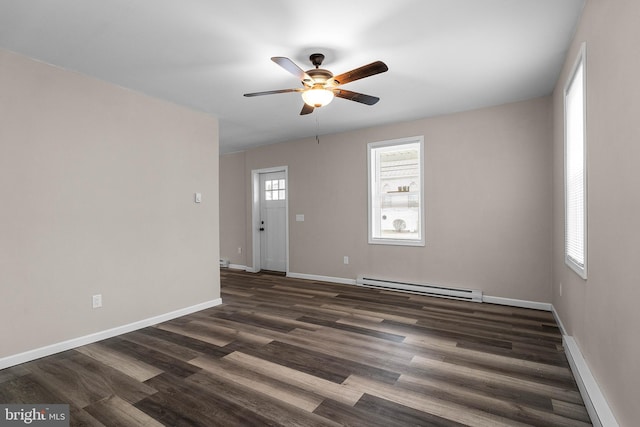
(275,189)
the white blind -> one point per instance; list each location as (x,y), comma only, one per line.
(574,169)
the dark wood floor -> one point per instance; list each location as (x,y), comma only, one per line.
(282,351)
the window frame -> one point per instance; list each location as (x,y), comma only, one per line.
(578,67)
(371,175)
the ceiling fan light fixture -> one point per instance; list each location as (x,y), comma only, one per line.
(317,97)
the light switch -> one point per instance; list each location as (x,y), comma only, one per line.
(300,217)
(198,197)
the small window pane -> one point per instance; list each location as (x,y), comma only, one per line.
(281,195)
(267,185)
(282,184)
(267,195)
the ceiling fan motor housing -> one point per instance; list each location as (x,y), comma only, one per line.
(320,75)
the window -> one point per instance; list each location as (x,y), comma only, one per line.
(396,213)
(274,189)
(575,169)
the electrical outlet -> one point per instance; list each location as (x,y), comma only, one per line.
(560,288)
(97,301)
(346,260)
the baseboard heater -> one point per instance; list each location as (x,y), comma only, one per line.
(422,289)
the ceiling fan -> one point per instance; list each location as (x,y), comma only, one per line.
(319,86)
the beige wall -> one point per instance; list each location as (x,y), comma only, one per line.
(233,214)
(96,196)
(601,312)
(488,202)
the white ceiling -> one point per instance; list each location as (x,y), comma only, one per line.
(443,55)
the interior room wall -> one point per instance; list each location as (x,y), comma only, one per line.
(601,313)
(488,186)
(233,215)
(97,191)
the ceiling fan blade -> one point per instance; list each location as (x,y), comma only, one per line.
(291,67)
(362,72)
(355,96)
(272,92)
(306,109)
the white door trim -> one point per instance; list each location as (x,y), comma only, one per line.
(255,215)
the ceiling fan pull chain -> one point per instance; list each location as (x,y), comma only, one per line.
(317,128)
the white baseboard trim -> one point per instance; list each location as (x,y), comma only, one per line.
(27,356)
(329,279)
(517,303)
(597,406)
(238,267)
(563,331)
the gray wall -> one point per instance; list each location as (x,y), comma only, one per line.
(96,196)
(601,312)
(488,186)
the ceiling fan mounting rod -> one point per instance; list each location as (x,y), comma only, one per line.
(316,59)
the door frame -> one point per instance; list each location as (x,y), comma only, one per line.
(255,216)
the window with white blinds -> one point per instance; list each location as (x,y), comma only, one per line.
(575,169)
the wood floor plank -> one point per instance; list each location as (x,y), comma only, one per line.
(331,368)
(571,410)
(155,358)
(394,414)
(83,380)
(500,380)
(336,313)
(201,347)
(374,355)
(209,407)
(468,397)
(114,411)
(372,313)
(28,389)
(128,365)
(12,373)
(202,334)
(300,379)
(280,351)
(169,348)
(387,414)
(227,370)
(497,361)
(356,329)
(278,412)
(432,404)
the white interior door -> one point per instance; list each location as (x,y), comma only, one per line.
(273,221)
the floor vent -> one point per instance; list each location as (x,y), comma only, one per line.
(422,289)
